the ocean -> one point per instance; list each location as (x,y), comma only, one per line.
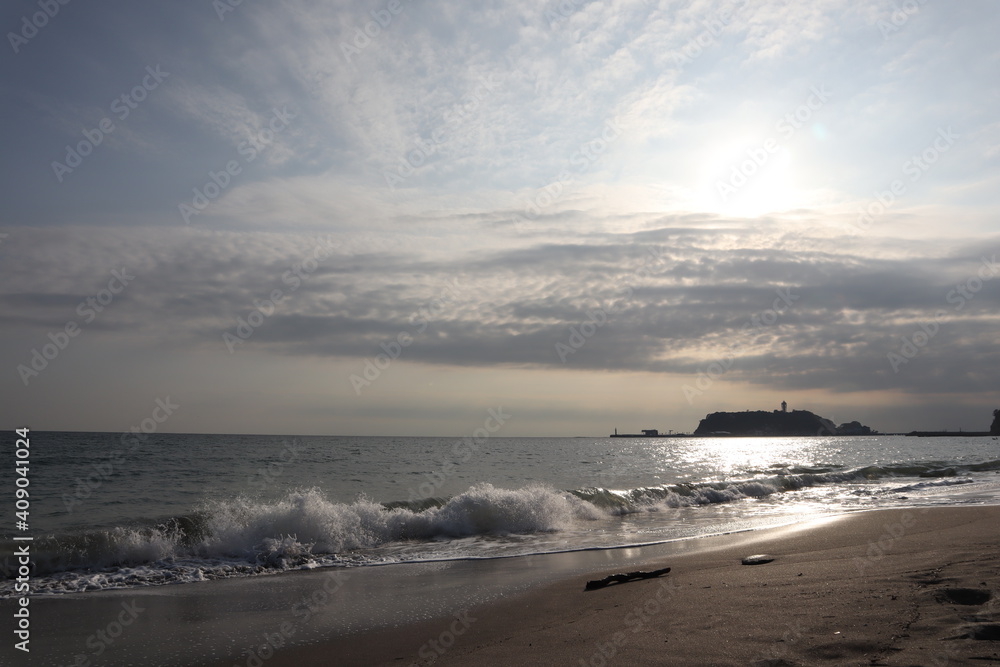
(114,512)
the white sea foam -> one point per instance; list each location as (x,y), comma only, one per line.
(306,521)
(304,528)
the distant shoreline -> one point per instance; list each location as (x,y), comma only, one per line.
(917,434)
(948,434)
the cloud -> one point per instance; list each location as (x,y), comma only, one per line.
(668,300)
(460,159)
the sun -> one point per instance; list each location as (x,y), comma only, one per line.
(747,180)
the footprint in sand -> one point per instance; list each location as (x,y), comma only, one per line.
(971,597)
(966,596)
(987,631)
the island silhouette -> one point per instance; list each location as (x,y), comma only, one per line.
(796,423)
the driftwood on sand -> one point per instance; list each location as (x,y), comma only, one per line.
(622,578)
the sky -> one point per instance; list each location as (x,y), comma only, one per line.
(391,217)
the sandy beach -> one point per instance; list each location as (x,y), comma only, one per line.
(892,587)
(906,587)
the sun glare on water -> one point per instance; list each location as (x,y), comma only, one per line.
(749,457)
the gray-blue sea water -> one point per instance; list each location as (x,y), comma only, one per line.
(114,512)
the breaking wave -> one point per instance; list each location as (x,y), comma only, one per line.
(304,529)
